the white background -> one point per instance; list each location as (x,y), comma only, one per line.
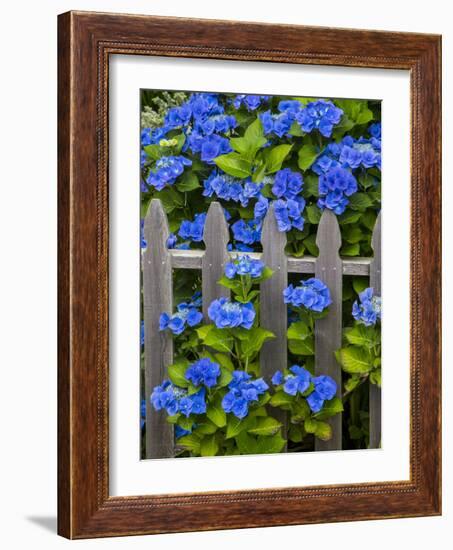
(129,475)
(28,275)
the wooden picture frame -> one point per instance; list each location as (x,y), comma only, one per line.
(85,41)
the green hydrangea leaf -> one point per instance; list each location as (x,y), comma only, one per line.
(307,156)
(265,426)
(354,360)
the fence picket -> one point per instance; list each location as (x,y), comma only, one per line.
(328,331)
(375,391)
(273,311)
(158,262)
(157,297)
(215,237)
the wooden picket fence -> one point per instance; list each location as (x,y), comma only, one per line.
(158,263)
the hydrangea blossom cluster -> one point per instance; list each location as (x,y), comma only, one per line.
(246,232)
(299,381)
(242,392)
(312,294)
(250,102)
(203,372)
(352,153)
(288,214)
(334,189)
(287,184)
(369,310)
(166,171)
(230,189)
(187,314)
(192,230)
(319,115)
(244,265)
(361,152)
(177,400)
(227,314)
(150,136)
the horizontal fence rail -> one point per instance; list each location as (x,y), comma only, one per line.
(158,262)
(192,259)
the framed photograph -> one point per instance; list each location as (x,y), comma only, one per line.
(249,275)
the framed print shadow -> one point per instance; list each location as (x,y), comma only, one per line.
(249,275)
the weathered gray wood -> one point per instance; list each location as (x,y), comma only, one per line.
(215,237)
(375,391)
(192,259)
(328,330)
(157,298)
(273,311)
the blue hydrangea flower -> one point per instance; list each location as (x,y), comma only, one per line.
(166,171)
(153,137)
(287,184)
(312,294)
(244,265)
(246,232)
(230,189)
(227,314)
(178,117)
(288,214)
(298,381)
(193,230)
(334,188)
(204,371)
(278,124)
(360,153)
(319,115)
(250,102)
(187,314)
(213,146)
(375,130)
(177,400)
(369,310)
(142,333)
(171,241)
(218,123)
(261,207)
(325,389)
(290,106)
(242,391)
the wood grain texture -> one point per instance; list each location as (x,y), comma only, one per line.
(273,310)
(157,298)
(215,237)
(192,259)
(328,330)
(85,42)
(375,391)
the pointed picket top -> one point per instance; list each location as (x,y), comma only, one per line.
(215,236)
(157,298)
(375,267)
(156,218)
(329,268)
(270,233)
(273,310)
(216,227)
(328,237)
